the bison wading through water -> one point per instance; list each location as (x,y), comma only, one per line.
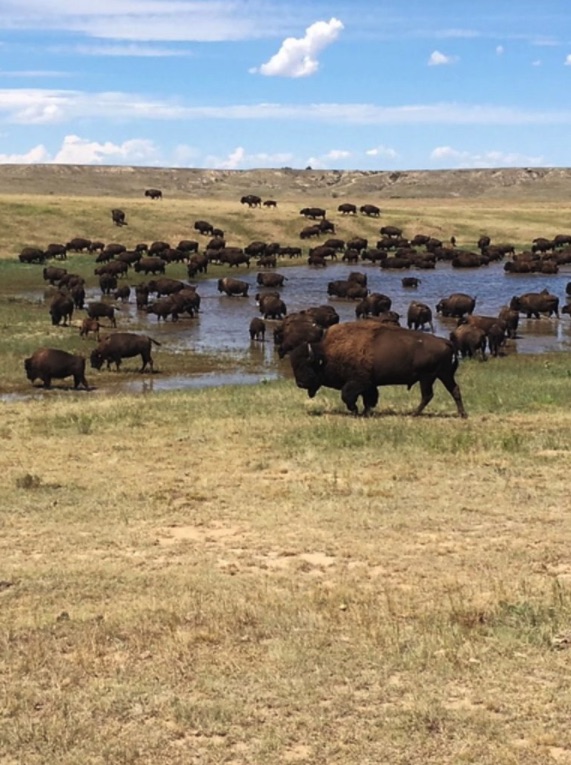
(358,357)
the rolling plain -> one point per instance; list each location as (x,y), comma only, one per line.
(236,574)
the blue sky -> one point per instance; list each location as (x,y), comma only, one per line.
(344,84)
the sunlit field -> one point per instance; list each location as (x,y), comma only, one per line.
(243,575)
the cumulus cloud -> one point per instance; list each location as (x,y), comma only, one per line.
(39,154)
(82,151)
(297,56)
(437,58)
(382,151)
(447,155)
(568,60)
(240,159)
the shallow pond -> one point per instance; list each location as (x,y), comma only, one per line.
(223,322)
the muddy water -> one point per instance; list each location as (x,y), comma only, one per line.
(222,325)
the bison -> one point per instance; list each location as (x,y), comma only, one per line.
(418,315)
(370,210)
(233,287)
(123,345)
(61,307)
(252,200)
(457,305)
(49,363)
(358,357)
(257,329)
(118,217)
(154,193)
(534,303)
(99,310)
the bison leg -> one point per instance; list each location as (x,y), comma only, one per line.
(454,389)
(370,400)
(427,393)
(350,392)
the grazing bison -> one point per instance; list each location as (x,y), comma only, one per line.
(123,345)
(49,363)
(270,203)
(198,264)
(257,329)
(98,310)
(370,210)
(56,250)
(78,244)
(61,307)
(118,217)
(358,357)
(203,227)
(457,305)
(32,255)
(390,231)
(154,193)
(151,265)
(233,287)
(347,208)
(52,274)
(534,303)
(252,200)
(313,212)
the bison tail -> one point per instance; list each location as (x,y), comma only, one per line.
(156,342)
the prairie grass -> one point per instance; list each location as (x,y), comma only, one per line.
(242,575)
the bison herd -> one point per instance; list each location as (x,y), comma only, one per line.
(355,357)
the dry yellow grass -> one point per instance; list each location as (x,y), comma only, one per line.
(242,576)
(220,576)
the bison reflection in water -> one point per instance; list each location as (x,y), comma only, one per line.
(358,357)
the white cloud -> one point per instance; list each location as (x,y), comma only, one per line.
(500,50)
(448,156)
(240,159)
(297,57)
(382,151)
(148,20)
(537,62)
(133,50)
(38,106)
(568,60)
(437,58)
(38,154)
(337,154)
(82,151)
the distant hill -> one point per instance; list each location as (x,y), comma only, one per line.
(286,183)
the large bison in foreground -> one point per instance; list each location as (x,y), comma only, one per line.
(358,357)
(46,364)
(123,345)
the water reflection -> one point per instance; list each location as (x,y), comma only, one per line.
(223,323)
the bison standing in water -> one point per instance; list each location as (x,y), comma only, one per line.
(123,345)
(48,363)
(358,357)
